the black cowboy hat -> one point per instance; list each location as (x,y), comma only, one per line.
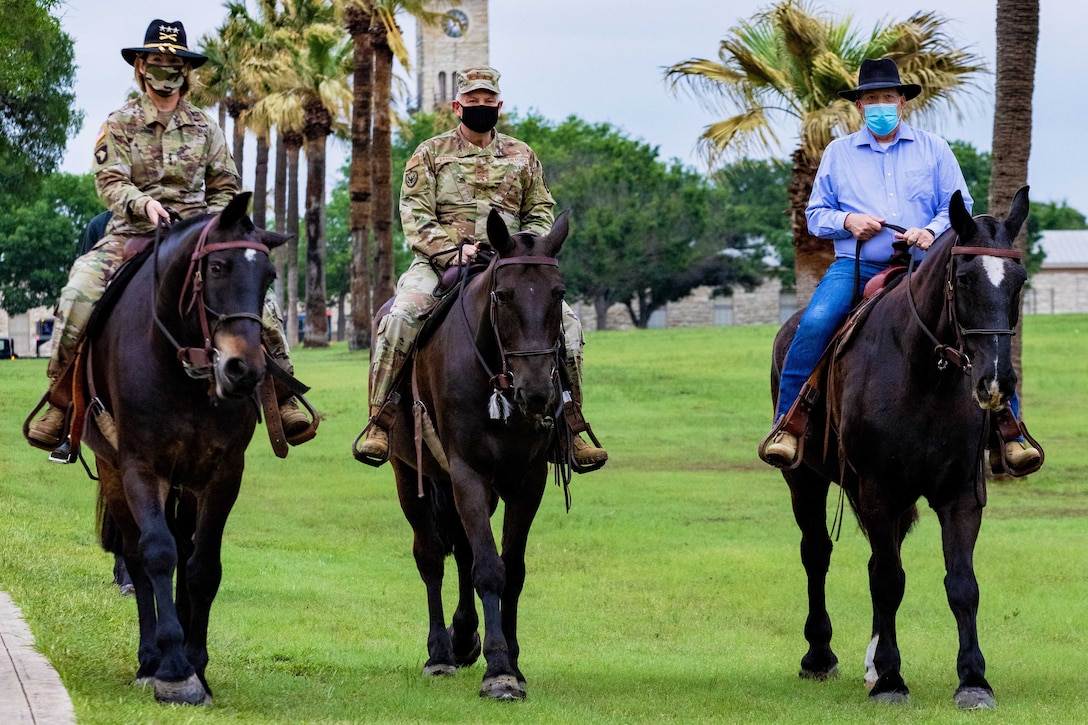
(881,73)
(167,39)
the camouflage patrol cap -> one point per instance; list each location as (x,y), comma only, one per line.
(477,79)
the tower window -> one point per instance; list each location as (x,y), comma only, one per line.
(442,86)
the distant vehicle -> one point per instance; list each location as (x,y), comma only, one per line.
(7,348)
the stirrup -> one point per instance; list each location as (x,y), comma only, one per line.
(63,453)
(384,419)
(1006,430)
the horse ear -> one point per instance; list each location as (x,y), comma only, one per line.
(273,239)
(235,211)
(553,242)
(960,218)
(497,233)
(1018,212)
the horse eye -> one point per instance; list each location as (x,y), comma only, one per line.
(559,293)
(217,268)
(503,296)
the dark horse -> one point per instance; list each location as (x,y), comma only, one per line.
(905,424)
(502,337)
(171,470)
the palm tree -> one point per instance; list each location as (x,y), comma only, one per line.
(1017,41)
(357,20)
(310,78)
(788,63)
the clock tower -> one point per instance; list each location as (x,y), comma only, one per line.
(447,47)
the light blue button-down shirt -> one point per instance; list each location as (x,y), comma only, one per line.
(909,184)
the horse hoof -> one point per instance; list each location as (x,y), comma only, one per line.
(439,670)
(473,655)
(502,687)
(892,697)
(974,698)
(187,692)
(831,674)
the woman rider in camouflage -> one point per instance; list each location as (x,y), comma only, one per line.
(157,151)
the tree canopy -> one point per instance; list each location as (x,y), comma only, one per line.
(39,239)
(36,98)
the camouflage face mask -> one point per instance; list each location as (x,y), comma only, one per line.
(165,80)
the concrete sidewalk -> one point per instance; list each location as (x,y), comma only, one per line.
(30,689)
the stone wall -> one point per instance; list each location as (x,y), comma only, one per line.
(1057,291)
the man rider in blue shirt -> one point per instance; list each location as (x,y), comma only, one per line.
(889,172)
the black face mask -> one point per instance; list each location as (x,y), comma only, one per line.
(480,119)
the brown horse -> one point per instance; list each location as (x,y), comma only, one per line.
(501,342)
(170,473)
(907,404)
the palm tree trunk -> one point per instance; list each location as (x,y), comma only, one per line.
(357,21)
(813,255)
(260,185)
(1017,42)
(293,142)
(383,167)
(316,133)
(235,108)
(279,212)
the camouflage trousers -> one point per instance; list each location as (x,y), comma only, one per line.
(91,274)
(398,329)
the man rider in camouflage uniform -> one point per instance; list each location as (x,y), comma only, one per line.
(450,185)
(157,151)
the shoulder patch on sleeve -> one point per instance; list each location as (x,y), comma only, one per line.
(101,135)
(411,171)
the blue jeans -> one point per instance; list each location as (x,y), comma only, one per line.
(826,311)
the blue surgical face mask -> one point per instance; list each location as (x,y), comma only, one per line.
(882,118)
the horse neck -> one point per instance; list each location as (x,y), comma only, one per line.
(168,270)
(927,285)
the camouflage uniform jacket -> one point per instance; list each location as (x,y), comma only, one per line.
(450,186)
(185,165)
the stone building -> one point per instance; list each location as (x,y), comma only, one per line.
(1061,285)
(447,47)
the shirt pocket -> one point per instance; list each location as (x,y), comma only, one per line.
(455,180)
(920,186)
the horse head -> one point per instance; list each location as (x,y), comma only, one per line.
(986,275)
(527,313)
(222,297)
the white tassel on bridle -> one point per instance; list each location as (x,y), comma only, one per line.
(498,407)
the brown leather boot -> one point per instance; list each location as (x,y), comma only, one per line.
(293,419)
(47,429)
(376,444)
(586,454)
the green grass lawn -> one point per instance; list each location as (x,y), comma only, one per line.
(671,592)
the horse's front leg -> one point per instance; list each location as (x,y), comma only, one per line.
(887,583)
(518,519)
(429,553)
(203,519)
(960,522)
(175,677)
(489,577)
(808,491)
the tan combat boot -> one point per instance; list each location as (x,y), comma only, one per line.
(294,420)
(1020,454)
(376,444)
(781,452)
(47,429)
(586,454)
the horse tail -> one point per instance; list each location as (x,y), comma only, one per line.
(447,524)
(109,533)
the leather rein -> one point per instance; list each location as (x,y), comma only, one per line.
(947,354)
(504,379)
(199,361)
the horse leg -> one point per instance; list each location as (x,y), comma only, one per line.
(906,521)
(517,521)
(808,491)
(174,678)
(500,680)
(464,628)
(202,520)
(887,583)
(960,520)
(430,554)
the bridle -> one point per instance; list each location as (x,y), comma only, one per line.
(947,354)
(502,381)
(199,362)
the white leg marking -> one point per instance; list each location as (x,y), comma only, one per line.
(871,675)
(995,269)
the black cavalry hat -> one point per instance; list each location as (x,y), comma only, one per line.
(167,39)
(881,73)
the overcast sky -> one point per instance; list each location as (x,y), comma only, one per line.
(603,60)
